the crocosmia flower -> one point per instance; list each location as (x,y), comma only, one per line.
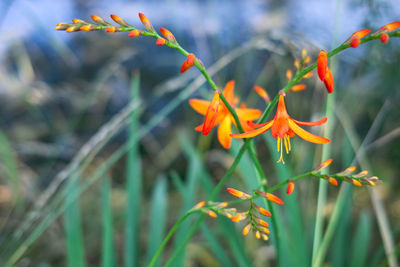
(220,115)
(283,127)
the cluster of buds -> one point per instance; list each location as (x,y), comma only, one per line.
(299,65)
(324,72)
(357,179)
(214,208)
(254,222)
(99,23)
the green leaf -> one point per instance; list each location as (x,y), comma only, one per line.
(108,243)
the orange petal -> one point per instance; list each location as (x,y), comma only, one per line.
(189,62)
(199,105)
(254,132)
(361,33)
(256,125)
(224,132)
(329,82)
(248,114)
(211,114)
(391,26)
(229,91)
(298,87)
(306,135)
(322,64)
(261,92)
(315,123)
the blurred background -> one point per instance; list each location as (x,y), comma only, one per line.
(98,156)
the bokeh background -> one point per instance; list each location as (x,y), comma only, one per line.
(82,114)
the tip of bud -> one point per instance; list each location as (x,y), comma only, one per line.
(134,33)
(160,41)
(384,38)
(290,188)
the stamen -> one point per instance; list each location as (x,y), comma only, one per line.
(279,146)
(286,144)
(288,140)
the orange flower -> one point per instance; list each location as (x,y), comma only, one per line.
(324,72)
(189,62)
(355,38)
(385,29)
(283,127)
(219,114)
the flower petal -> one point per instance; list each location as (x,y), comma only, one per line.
(229,91)
(256,125)
(306,135)
(254,132)
(211,114)
(315,123)
(224,132)
(199,105)
(248,114)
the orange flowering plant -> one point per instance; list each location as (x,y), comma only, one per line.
(235,119)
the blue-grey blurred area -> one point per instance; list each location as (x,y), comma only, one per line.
(57,89)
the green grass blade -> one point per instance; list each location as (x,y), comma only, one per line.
(361,240)
(73,230)
(134,185)
(158,216)
(9,162)
(108,243)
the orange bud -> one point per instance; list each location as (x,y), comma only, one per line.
(323,165)
(384,37)
(289,75)
(361,174)
(237,193)
(391,26)
(355,42)
(119,20)
(146,22)
(347,171)
(262,210)
(246,229)
(199,205)
(265,237)
(189,62)
(356,182)
(290,187)
(303,53)
(99,20)
(261,92)
(111,29)
(265,230)
(86,28)
(322,64)
(296,64)
(307,60)
(329,82)
(212,214)
(134,33)
(369,182)
(72,29)
(160,41)
(355,38)
(332,181)
(262,222)
(62,26)
(258,235)
(270,197)
(223,205)
(79,21)
(238,217)
(167,34)
(308,75)
(211,114)
(298,87)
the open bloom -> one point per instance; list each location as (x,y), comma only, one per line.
(283,127)
(219,114)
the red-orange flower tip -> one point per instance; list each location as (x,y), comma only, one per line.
(237,193)
(119,20)
(199,205)
(211,114)
(189,62)
(160,41)
(261,92)
(146,22)
(111,29)
(86,28)
(167,34)
(246,229)
(99,20)
(239,217)
(298,87)
(356,182)
(332,181)
(355,38)
(289,75)
(384,38)
(329,82)
(322,64)
(323,165)
(290,187)
(262,211)
(212,214)
(134,33)
(262,222)
(270,197)
(391,26)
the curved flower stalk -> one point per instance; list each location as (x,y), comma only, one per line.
(283,127)
(218,114)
